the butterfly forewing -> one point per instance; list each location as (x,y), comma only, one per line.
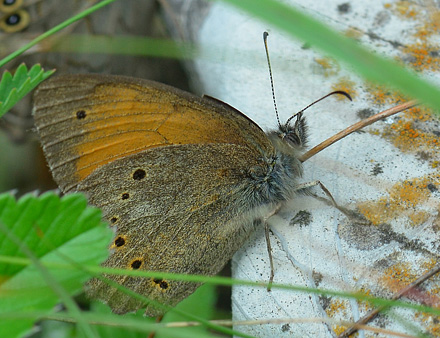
(170,171)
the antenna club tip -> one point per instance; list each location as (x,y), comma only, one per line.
(265,35)
(343,92)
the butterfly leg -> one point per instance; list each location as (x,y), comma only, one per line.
(347,212)
(269,247)
(301,186)
(305,186)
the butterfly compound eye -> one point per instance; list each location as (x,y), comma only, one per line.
(296,135)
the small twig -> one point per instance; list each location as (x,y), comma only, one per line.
(373,313)
(355,127)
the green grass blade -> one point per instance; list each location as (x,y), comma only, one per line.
(54,30)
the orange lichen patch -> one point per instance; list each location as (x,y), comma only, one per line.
(410,193)
(436,222)
(339,307)
(404,9)
(406,132)
(383,212)
(431,323)
(380,95)
(422,56)
(418,113)
(376,212)
(329,66)
(338,329)
(429,264)
(435,296)
(403,199)
(353,33)
(434,23)
(365,306)
(346,85)
(431,25)
(434,290)
(430,297)
(407,137)
(409,133)
(336,306)
(398,276)
(418,217)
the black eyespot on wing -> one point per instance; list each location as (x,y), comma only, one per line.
(9,2)
(136,264)
(125,196)
(9,6)
(81,114)
(163,284)
(15,21)
(119,241)
(139,174)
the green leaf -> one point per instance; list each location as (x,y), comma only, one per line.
(57,231)
(14,88)
(201,303)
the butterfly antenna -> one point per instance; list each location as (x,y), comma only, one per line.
(265,35)
(339,92)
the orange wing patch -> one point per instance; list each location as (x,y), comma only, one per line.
(88,121)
